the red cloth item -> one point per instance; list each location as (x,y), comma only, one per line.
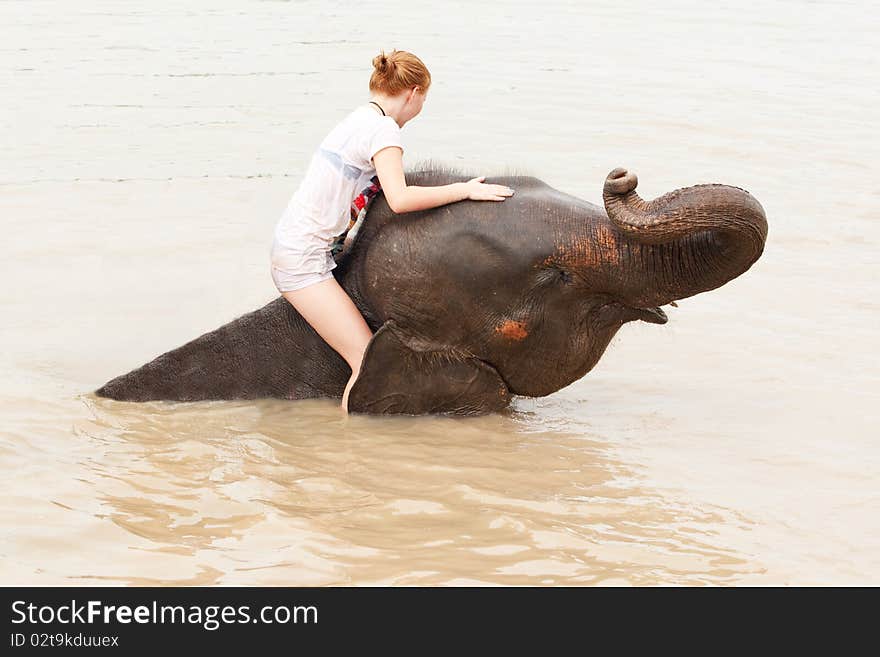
(360,204)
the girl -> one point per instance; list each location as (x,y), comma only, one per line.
(360,156)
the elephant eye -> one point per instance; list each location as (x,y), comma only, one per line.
(553,274)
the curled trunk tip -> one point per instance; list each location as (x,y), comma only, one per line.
(620,181)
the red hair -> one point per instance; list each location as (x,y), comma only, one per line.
(398,71)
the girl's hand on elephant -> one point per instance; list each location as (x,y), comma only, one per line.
(480,191)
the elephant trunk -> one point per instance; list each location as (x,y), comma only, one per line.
(685,242)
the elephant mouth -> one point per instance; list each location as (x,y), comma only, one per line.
(652,315)
(625,312)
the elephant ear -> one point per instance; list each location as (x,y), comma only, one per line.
(397,378)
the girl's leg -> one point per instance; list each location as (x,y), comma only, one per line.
(333,315)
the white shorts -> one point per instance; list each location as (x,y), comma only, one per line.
(292,270)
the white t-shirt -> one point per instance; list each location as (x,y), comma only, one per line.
(340,169)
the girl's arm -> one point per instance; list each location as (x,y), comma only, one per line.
(409,198)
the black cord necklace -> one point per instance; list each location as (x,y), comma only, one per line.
(379,106)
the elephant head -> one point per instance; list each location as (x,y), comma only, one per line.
(479,301)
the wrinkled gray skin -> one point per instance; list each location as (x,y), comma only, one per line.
(474,302)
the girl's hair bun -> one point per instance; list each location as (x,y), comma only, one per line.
(397,71)
(381,62)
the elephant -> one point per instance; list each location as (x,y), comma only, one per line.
(473,303)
